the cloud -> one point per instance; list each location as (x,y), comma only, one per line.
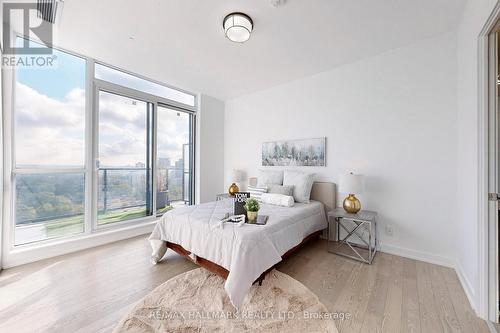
(48,131)
(51,132)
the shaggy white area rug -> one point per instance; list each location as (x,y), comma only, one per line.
(195,301)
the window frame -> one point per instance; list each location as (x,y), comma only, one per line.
(13,170)
(130,93)
(162,99)
(192,155)
(89,170)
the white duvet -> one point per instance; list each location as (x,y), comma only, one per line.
(245,251)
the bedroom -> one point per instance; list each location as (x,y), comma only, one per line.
(125,122)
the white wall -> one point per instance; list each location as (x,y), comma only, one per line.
(391,117)
(474,17)
(210,142)
(1,154)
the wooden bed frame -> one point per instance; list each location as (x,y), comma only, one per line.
(222,272)
(322,192)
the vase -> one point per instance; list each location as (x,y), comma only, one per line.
(233,189)
(351,204)
(252,216)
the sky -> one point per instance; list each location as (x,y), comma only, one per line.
(50,120)
(67,74)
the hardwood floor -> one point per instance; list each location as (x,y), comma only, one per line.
(90,291)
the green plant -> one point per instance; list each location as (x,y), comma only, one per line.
(252,205)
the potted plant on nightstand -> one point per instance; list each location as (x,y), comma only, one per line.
(252,207)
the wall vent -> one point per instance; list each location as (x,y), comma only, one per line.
(47,9)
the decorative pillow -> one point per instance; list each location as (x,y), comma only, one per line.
(302,184)
(277,199)
(269,177)
(280,189)
(256,192)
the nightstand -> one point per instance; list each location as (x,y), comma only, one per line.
(353,235)
(223,196)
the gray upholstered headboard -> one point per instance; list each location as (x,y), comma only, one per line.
(325,193)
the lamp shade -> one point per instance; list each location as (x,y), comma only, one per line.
(236,176)
(351,184)
(252,181)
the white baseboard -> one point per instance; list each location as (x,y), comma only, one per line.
(64,246)
(418,255)
(438,260)
(466,285)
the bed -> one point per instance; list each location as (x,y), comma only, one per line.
(241,255)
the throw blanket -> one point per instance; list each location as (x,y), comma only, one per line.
(246,251)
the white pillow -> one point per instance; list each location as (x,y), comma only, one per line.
(280,189)
(277,199)
(256,192)
(269,177)
(302,183)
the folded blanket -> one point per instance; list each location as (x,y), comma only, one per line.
(277,199)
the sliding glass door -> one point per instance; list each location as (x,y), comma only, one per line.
(125,151)
(174,162)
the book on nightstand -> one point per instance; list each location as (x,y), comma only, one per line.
(240,199)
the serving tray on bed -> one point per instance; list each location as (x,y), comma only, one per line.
(261,220)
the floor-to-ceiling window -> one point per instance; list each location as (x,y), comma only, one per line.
(93,148)
(49,150)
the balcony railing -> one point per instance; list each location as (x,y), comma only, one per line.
(125,188)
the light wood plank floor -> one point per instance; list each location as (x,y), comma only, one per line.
(91,290)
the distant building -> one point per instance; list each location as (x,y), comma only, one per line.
(175,176)
(164,163)
(179,164)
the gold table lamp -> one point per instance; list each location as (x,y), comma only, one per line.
(236,176)
(352,204)
(233,189)
(351,184)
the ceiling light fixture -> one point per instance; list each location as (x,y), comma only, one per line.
(237,27)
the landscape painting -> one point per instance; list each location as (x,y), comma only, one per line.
(306,152)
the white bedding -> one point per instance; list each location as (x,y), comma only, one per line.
(246,251)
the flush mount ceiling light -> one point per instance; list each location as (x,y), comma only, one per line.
(237,27)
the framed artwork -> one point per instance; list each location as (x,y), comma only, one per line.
(305,152)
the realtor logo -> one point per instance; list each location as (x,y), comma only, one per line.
(32,25)
(32,49)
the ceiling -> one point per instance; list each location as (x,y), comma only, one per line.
(181,42)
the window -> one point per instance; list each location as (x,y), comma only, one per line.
(125,158)
(174,159)
(50,114)
(48,205)
(49,152)
(127,80)
(69,177)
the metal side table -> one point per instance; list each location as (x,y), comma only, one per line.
(353,235)
(222,196)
